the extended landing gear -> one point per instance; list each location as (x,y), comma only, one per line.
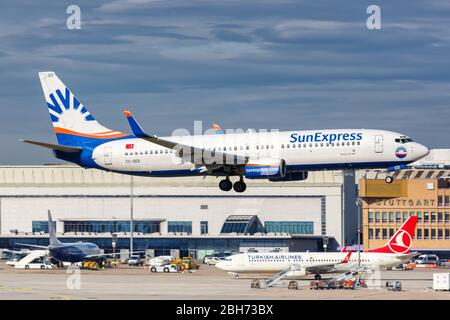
(227,185)
(317,277)
(389,179)
(239,186)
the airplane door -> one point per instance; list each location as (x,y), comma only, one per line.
(378,144)
(108,156)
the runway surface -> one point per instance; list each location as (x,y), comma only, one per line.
(206,283)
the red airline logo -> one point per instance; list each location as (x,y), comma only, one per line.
(129,146)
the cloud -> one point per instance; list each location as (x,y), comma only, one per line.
(260,64)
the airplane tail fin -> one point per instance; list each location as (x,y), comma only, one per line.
(401,241)
(51,231)
(72,122)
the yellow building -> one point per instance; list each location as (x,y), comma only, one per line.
(386,206)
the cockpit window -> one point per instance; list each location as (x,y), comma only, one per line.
(403,139)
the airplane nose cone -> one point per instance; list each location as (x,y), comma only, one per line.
(421,151)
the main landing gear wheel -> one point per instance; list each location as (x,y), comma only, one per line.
(239,186)
(317,277)
(225,185)
(388,179)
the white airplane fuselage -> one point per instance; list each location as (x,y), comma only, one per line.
(275,262)
(301,151)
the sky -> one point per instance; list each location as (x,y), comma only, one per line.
(262,64)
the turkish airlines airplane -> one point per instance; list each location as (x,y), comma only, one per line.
(395,252)
(276,156)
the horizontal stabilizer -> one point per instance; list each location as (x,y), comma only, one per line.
(54,146)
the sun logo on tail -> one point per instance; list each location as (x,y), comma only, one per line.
(65,107)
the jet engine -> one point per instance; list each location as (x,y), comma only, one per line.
(265,168)
(292,176)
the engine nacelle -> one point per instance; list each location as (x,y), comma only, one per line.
(265,168)
(292,176)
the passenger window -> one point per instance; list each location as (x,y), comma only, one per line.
(282,146)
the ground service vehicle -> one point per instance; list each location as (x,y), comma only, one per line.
(165,268)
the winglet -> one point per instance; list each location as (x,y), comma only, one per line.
(135,127)
(347,257)
(217,129)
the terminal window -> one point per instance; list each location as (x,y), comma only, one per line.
(370,233)
(377,217)
(42,226)
(179,226)
(419,234)
(292,227)
(433,217)
(370,216)
(419,216)
(112,226)
(447,234)
(203,227)
(384,216)
(391,217)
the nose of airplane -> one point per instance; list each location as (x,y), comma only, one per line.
(421,151)
(220,265)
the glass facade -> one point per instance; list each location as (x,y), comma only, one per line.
(292,227)
(41,226)
(242,224)
(179,226)
(111,226)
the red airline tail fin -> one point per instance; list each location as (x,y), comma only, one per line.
(347,257)
(401,241)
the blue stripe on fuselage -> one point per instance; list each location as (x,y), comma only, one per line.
(80,141)
(291,168)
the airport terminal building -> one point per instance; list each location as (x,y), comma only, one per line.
(176,215)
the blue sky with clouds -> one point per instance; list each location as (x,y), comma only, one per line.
(242,63)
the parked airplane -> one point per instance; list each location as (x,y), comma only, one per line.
(395,252)
(68,252)
(276,156)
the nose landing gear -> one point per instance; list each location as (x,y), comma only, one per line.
(389,179)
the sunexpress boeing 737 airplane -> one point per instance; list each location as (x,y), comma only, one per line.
(276,156)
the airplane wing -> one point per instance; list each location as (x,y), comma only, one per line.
(199,156)
(53,146)
(323,268)
(32,245)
